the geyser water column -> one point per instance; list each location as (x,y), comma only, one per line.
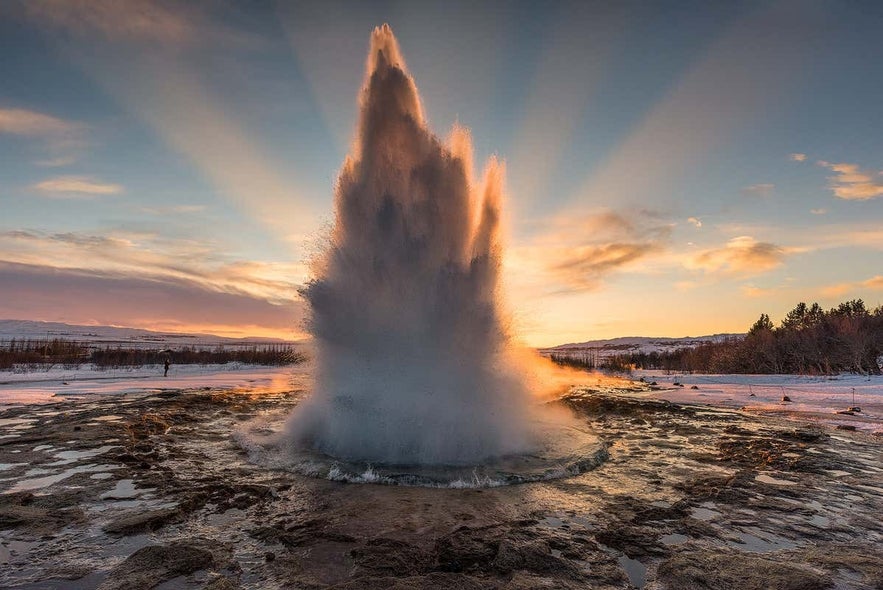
(413,354)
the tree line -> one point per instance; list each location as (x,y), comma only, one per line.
(808,341)
(70,354)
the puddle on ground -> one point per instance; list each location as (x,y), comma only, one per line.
(634,569)
(27,485)
(772,480)
(754,543)
(702,513)
(124,490)
(67,457)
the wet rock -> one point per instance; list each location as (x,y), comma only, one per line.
(808,434)
(140,522)
(848,427)
(766,453)
(634,541)
(152,565)
(220,583)
(605,405)
(432,581)
(37,514)
(391,556)
(466,548)
(300,534)
(533,556)
(731,570)
(866,561)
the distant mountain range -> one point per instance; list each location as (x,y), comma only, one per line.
(28,329)
(34,330)
(633,344)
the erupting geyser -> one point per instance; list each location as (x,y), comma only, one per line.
(413,354)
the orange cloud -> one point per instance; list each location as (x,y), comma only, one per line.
(851,183)
(577,253)
(840,289)
(797,157)
(753,291)
(874,282)
(740,255)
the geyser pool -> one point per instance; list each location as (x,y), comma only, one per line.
(412,350)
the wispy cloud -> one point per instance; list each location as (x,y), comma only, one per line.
(852,183)
(797,157)
(874,283)
(171,25)
(29,123)
(579,253)
(754,291)
(154,256)
(173,209)
(759,190)
(820,211)
(740,255)
(63,140)
(76,187)
(695,221)
(116,19)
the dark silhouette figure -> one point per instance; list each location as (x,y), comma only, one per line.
(166,373)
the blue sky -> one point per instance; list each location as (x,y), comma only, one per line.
(673,168)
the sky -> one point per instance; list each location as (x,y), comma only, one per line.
(673,168)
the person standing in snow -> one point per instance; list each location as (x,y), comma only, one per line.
(166,373)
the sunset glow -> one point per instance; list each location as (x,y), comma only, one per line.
(172,165)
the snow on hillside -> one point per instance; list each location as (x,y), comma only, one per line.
(27,329)
(633,344)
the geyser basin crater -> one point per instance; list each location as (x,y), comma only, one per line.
(562,450)
(415,363)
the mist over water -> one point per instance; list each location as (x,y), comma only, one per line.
(414,361)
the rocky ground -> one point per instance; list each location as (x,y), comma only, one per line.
(154,492)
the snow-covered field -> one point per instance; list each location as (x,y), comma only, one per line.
(812,398)
(61,384)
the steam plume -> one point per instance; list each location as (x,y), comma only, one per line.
(413,356)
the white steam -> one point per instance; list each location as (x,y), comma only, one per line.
(413,356)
